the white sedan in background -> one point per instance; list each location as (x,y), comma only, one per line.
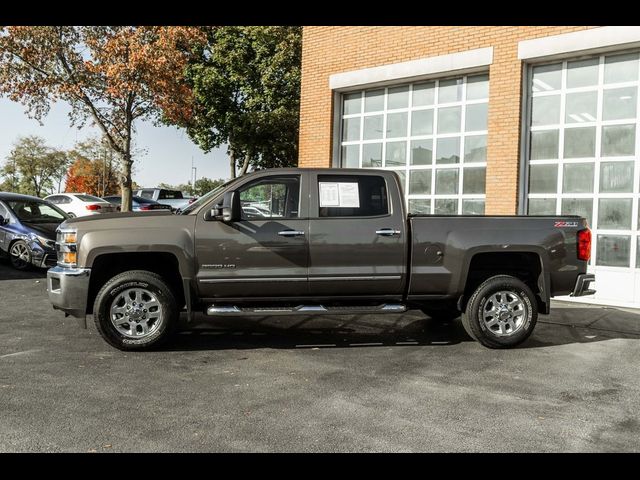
(80,204)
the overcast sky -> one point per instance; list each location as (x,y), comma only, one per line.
(167,156)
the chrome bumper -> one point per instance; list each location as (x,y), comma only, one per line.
(68,289)
(582,285)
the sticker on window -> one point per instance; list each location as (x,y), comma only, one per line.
(339,194)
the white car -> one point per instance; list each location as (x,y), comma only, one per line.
(80,204)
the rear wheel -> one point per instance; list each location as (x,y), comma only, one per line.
(19,255)
(501,313)
(135,310)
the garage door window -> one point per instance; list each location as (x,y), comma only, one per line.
(583,149)
(432,133)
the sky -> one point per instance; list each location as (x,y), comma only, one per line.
(167,151)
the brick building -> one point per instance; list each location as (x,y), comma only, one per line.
(495,120)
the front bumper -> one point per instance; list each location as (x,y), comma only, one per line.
(582,285)
(42,257)
(68,289)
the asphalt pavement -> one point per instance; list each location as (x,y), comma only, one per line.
(352,383)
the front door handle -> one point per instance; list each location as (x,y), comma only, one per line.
(291,233)
(388,232)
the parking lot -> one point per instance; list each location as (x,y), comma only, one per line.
(342,383)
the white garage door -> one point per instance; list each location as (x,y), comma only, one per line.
(583,159)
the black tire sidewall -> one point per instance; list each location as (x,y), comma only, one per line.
(479,300)
(11,257)
(109,292)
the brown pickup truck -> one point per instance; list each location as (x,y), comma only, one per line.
(315,241)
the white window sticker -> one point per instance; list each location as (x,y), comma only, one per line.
(349,196)
(329,195)
(339,194)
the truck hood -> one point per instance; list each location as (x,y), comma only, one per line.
(122,215)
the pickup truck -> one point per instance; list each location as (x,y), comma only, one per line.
(173,198)
(337,241)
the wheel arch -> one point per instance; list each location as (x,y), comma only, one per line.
(526,265)
(165,264)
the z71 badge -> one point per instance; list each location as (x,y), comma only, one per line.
(565,224)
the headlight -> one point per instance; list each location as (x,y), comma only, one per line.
(44,241)
(67,247)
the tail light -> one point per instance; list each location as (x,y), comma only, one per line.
(146,207)
(584,244)
(94,207)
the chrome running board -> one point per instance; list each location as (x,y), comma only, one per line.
(214,310)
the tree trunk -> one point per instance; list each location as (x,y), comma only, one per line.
(232,162)
(125,184)
(245,166)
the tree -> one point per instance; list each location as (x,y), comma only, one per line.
(204,185)
(112,76)
(93,170)
(34,168)
(246,86)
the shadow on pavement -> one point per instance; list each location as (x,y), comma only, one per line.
(318,331)
(7,272)
(567,325)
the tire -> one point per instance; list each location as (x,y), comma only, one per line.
(19,255)
(501,313)
(124,323)
(441,315)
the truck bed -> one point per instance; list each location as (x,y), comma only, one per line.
(444,247)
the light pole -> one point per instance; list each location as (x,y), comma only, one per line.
(194,173)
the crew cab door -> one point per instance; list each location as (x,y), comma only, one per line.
(265,254)
(358,242)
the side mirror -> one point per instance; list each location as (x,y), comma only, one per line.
(231,208)
(3,221)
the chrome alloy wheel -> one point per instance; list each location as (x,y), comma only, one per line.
(20,254)
(136,313)
(504,313)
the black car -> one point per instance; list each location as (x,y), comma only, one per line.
(28,230)
(138,204)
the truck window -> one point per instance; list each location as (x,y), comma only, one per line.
(352,196)
(273,197)
(146,194)
(169,195)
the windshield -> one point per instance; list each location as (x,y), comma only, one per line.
(205,198)
(32,211)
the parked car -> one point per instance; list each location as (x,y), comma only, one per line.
(175,198)
(138,204)
(80,204)
(337,241)
(28,230)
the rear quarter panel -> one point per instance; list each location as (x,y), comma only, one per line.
(460,238)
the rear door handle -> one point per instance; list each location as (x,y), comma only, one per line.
(388,232)
(291,233)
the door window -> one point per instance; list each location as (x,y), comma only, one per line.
(273,197)
(352,196)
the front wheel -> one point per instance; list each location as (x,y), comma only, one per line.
(501,313)
(19,255)
(135,310)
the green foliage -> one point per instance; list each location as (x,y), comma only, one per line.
(33,168)
(246,85)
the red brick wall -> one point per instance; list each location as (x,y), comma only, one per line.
(329,50)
